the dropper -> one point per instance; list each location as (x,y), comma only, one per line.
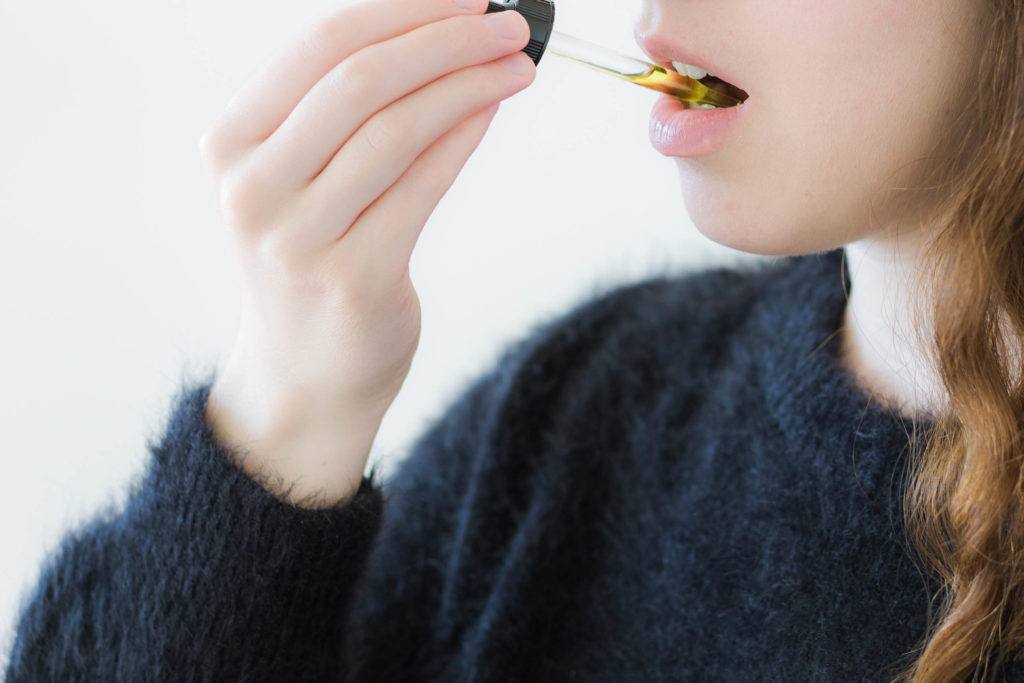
(540,15)
(653,76)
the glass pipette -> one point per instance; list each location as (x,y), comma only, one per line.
(540,15)
(653,76)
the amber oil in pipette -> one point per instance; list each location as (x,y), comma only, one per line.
(671,83)
(683,87)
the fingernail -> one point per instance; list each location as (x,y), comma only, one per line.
(517,62)
(505,23)
(468,4)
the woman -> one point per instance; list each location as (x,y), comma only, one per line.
(703,477)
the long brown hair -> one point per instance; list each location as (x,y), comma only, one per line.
(963,503)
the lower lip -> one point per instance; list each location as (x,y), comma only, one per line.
(680,132)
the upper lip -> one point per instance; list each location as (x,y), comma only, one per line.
(660,48)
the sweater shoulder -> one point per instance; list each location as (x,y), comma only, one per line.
(721,294)
(685,317)
(521,466)
(614,337)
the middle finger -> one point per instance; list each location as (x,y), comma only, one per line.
(371,79)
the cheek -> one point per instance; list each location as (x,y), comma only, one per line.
(848,108)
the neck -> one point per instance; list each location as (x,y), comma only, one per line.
(880,344)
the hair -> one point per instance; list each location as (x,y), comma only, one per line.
(963,494)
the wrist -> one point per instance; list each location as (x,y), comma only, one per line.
(304,451)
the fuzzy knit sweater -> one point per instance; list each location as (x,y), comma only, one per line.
(673,481)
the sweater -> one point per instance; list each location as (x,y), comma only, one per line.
(674,480)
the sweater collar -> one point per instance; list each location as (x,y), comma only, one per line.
(809,394)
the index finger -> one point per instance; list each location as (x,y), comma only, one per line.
(268,97)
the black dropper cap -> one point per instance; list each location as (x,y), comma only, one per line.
(540,15)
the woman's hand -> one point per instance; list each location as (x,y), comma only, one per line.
(328,164)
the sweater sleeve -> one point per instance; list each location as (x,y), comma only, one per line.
(202,575)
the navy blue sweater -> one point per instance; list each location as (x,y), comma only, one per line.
(675,480)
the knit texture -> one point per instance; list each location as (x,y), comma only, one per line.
(673,481)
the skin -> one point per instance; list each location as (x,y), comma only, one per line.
(328,162)
(852,106)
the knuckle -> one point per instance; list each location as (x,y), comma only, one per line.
(488,81)
(242,196)
(323,34)
(430,177)
(468,35)
(355,77)
(278,255)
(211,147)
(206,143)
(382,135)
(220,146)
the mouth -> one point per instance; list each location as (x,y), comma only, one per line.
(706,79)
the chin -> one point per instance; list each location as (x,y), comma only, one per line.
(745,231)
(739,221)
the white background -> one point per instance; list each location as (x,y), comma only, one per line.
(117,280)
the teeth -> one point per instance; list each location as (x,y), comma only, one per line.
(694,72)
